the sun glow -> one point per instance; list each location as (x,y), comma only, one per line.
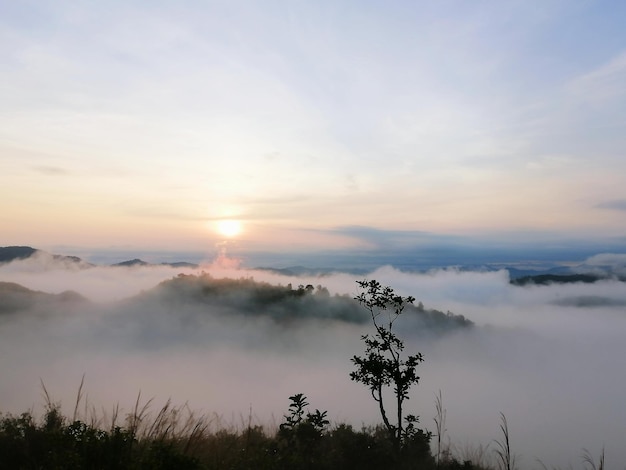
(229,228)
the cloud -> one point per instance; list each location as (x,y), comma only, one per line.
(381,238)
(51,170)
(616,204)
(607,82)
(103,283)
(616,262)
(539,354)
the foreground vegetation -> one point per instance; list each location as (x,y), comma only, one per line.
(174,438)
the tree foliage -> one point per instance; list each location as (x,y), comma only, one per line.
(383,367)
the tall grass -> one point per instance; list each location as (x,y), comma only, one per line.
(440,430)
(590,462)
(176,437)
(505,458)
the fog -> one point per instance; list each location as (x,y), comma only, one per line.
(549,357)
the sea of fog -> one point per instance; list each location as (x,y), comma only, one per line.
(551,358)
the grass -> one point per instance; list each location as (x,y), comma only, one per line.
(505,458)
(176,437)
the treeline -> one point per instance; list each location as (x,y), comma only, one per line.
(284,303)
(547,279)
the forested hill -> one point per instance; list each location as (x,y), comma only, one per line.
(12,253)
(282,303)
(546,279)
(15,297)
(16,253)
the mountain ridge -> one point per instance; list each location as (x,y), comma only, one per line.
(518,276)
(9,254)
(15,297)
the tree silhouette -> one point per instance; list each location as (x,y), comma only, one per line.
(383,367)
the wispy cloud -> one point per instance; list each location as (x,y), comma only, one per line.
(607,82)
(378,238)
(51,170)
(616,204)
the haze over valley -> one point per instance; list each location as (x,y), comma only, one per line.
(230,340)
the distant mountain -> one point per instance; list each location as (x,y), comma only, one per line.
(590,301)
(12,253)
(132,262)
(545,279)
(304,271)
(555,275)
(15,297)
(181,264)
(15,253)
(140,262)
(518,275)
(514,272)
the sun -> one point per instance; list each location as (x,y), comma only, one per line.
(229,227)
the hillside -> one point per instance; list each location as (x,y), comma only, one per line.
(12,253)
(17,253)
(283,304)
(15,297)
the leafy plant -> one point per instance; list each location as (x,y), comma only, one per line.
(296,418)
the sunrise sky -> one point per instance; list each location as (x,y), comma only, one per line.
(313,124)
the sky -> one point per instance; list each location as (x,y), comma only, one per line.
(310,124)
